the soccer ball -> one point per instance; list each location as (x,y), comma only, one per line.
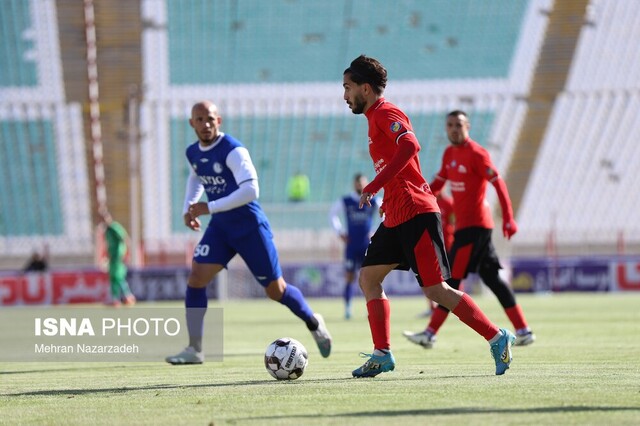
(285,359)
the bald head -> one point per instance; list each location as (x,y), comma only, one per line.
(205,105)
(205,121)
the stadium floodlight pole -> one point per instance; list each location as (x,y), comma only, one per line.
(94,105)
(134,172)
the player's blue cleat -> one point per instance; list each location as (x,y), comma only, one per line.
(501,351)
(322,336)
(375,365)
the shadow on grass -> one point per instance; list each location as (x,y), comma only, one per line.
(266,382)
(446,412)
(95,367)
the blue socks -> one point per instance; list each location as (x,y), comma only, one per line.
(348,296)
(295,301)
(196,303)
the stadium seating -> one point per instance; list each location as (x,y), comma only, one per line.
(44,187)
(275,74)
(17,68)
(290,114)
(29,166)
(605,58)
(581,188)
(310,42)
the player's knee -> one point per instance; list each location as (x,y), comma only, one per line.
(275,289)
(198,278)
(349,276)
(490,273)
(364,280)
(454,283)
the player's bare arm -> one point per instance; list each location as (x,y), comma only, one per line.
(365,198)
(191,222)
(199,209)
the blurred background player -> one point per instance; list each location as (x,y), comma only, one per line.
(299,187)
(356,234)
(468,168)
(411,234)
(38,262)
(117,239)
(221,166)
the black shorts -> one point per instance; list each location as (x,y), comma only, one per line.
(417,244)
(472,248)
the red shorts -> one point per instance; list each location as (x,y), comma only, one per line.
(472,249)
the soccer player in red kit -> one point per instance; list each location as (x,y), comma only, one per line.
(411,234)
(468,168)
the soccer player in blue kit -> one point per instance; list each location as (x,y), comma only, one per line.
(356,234)
(221,167)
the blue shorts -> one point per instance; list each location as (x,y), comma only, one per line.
(256,248)
(354,256)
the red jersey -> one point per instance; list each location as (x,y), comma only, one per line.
(448,219)
(468,168)
(406,192)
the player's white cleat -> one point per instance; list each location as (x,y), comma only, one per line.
(524,339)
(422,338)
(322,336)
(188,356)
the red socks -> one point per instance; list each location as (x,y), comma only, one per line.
(470,314)
(517,317)
(379,314)
(437,319)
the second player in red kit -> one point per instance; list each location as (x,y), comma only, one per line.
(468,167)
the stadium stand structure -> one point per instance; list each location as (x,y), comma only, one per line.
(277,83)
(541,79)
(44,186)
(581,193)
(308,42)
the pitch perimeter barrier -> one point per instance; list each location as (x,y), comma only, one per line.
(321,279)
(549,274)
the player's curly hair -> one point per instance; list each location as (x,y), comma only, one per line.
(364,69)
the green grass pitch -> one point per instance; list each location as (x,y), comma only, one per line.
(583,369)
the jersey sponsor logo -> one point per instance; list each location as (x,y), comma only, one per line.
(214,184)
(457,186)
(212,180)
(217,167)
(379,165)
(462,168)
(395,126)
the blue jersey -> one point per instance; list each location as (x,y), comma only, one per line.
(211,168)
(359,221)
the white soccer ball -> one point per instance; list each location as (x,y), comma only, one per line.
(286,359)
